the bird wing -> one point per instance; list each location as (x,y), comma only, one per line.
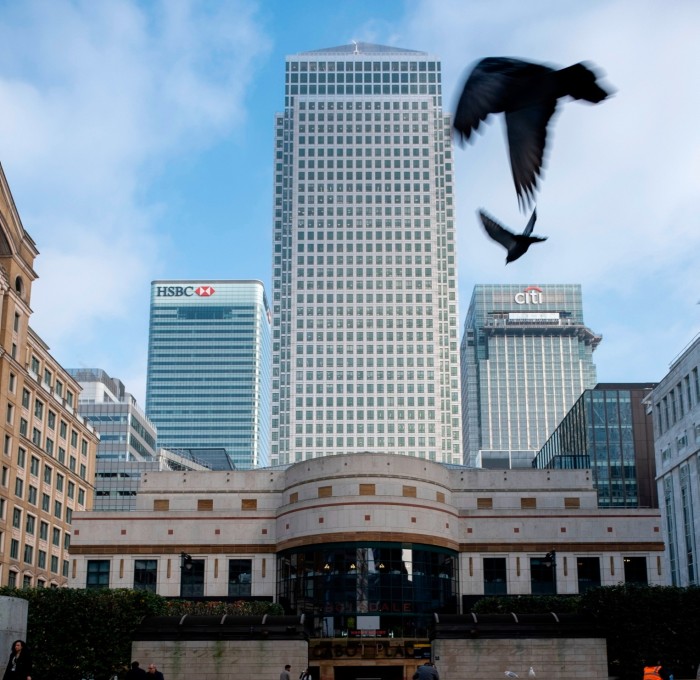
(489,87)
(497,232)
(527,136)
(531,224)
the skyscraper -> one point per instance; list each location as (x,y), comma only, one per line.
(365,353)
(526,357)
(208,382)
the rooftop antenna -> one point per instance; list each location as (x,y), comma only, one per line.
(356,50)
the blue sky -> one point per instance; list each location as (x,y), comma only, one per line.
(137,140)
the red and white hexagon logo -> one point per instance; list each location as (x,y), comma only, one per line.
(204,291)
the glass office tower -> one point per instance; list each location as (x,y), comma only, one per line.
(365,350)
(526,357)
(608,430)
(208,382)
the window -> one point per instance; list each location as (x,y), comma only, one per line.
(205,504)
(71,489)
(45,502)
(249,504)
(43,530)
(542,576)
(38,409)
(58,509)
(34,466)
(146,575)
(239,578)
(29,554)
(97,574)
(32,495)
(21,458)
(81,496)
(17,518)
(14,549)
(35,365)
(59,482)
(495,576)
(41,559)
(56,536)
(161,504)
(636,570)
(26,396)
(54,564)
(192,578)
(588,569)
(19,487)
(31,525)
(367,490)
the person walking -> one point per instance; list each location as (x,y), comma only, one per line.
(19,666)
(136,672)
(428,672)
(153,672)
(284,675)
(654,672)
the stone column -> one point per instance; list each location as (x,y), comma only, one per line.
(13,624)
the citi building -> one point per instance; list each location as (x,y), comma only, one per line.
(526,358)
(365,348)
(208,383)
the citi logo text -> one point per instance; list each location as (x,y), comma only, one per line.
(532,295)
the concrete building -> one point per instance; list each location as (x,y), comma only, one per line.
(526,357)
(364,542)
(610,431)
(209,373)
(675,404)
(48,454)
(364,302)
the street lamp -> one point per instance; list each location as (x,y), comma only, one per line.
(550,561)
(186,563)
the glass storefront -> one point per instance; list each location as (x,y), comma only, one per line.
(369,589)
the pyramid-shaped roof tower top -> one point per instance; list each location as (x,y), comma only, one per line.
(357,47)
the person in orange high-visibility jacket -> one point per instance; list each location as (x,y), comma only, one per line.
(653,672)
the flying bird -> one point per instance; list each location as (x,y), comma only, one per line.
(515,244)
(511,674)
(528,95)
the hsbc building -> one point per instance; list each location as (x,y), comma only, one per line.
(209,370)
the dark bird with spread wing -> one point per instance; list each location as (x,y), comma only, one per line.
(528,95)
(515,244)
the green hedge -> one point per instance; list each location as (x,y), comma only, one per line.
(87,634)
(640,623)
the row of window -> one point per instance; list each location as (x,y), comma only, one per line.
(192,576)
(680,399)
(28,557)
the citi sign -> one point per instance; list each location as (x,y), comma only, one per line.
(184,291)
(532,295)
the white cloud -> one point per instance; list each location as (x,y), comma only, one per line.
(95,99)
(619,198)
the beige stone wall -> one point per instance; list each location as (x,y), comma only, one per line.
(552,659)
(222,659)
(479,659)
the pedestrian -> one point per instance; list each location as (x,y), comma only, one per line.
(654,672)
(428,672)
(305,675)
(19,666)
(284,675)
(153,672)
(136,672)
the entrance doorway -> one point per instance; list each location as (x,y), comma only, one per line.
(368,672)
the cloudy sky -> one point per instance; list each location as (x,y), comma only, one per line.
(137,140)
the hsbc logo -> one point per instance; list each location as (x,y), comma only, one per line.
(184,291)
(532,295)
